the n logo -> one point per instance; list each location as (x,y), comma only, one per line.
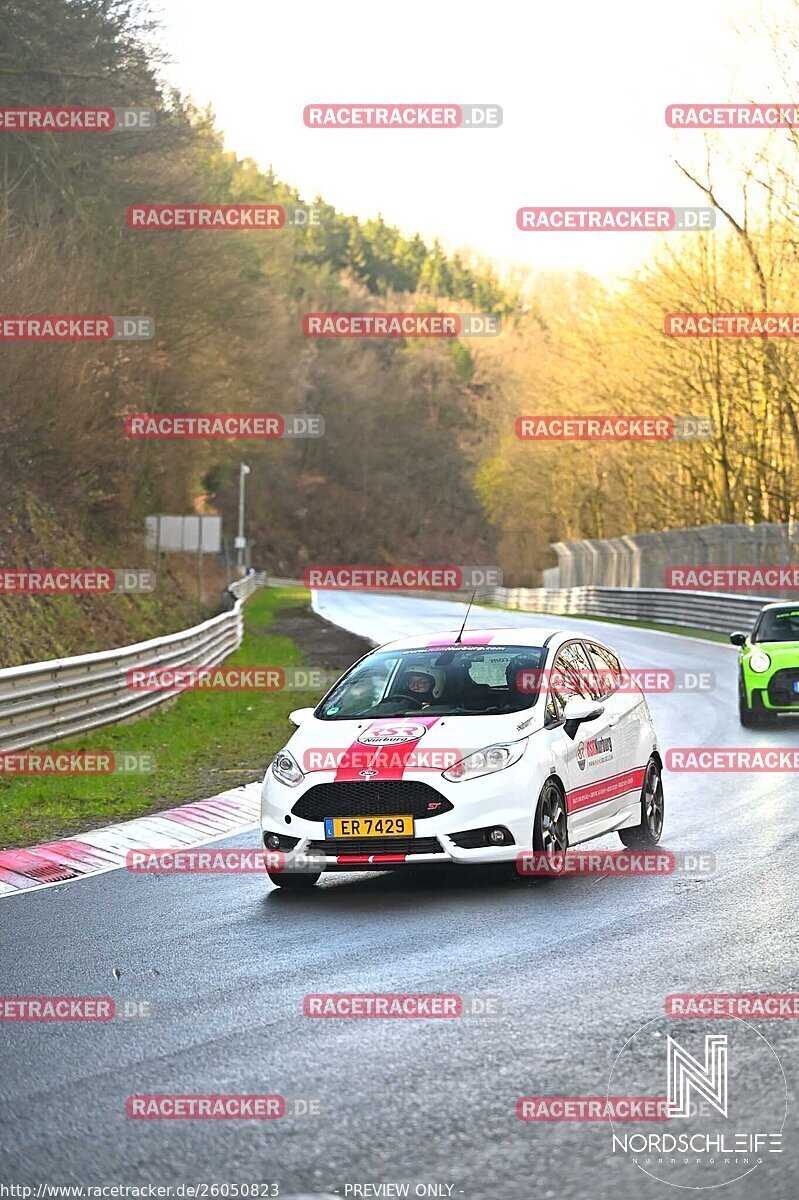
(686,1073)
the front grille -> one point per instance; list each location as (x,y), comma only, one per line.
(470,839)
(371,799)
(396,845)
(780,687)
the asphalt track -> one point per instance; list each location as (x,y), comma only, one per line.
(578,965)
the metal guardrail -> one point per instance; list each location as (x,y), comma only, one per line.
(715,611)
(43,702)
(46,701)
(279,581)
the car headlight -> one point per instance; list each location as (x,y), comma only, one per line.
(486,761)
(286,770)
(759,662)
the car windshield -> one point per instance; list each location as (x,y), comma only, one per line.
(446,681)
(778,625)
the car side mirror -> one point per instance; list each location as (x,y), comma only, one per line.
(300,715)
(738,639)
(577,710)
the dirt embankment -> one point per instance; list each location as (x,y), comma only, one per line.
(34,628)
(322,644)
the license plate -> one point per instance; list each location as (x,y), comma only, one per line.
(356,827)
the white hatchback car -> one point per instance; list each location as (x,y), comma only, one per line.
(469,749)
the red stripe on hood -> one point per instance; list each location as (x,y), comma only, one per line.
(388,762)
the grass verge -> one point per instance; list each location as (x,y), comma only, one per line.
(203,743)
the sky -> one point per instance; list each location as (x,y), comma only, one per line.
(583,85)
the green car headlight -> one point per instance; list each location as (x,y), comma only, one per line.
(759,662)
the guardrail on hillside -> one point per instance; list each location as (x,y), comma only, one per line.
(42,702)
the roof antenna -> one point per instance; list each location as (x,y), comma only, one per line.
(466,618)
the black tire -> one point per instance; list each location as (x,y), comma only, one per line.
(298,881)
(649,832)
(550,832)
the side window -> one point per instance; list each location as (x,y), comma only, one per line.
(572,675)
(608,667)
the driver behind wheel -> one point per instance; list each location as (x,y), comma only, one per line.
(418,685)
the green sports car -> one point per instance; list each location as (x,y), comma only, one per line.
(768,665)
